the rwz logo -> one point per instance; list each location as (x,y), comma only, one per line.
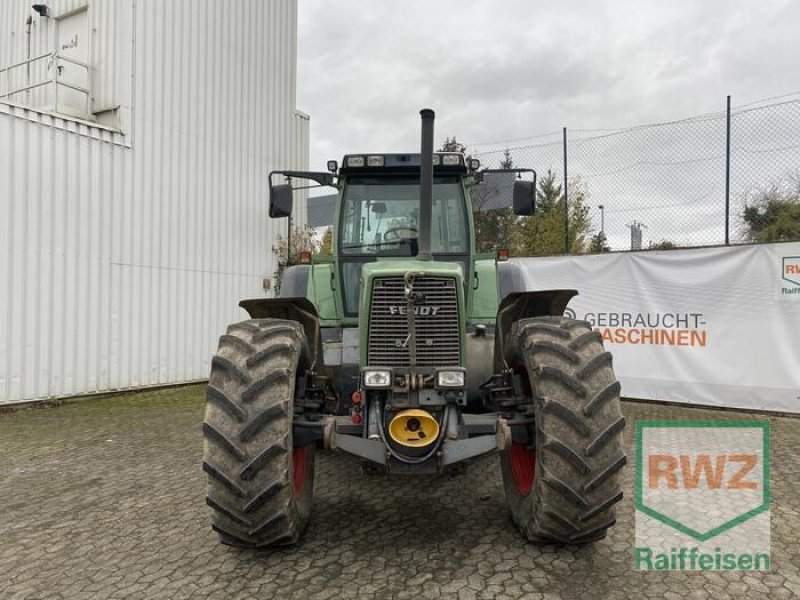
(683,468)
(791,269)
(702,495)
(693,469)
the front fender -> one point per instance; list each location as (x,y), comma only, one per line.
(289,309)
(524,305)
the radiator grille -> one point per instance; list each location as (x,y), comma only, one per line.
(438,336)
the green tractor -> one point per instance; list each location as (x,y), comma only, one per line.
(410,352)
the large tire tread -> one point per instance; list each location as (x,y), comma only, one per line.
(248,452)
(578,448)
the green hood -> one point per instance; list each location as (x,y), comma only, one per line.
(393,267)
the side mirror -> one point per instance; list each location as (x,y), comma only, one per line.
(280,200)
(524,197)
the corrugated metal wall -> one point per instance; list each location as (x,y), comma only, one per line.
(124,254)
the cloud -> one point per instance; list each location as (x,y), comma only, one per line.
(512,69)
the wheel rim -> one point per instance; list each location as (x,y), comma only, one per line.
(299,460)
(523,468)
(523,461)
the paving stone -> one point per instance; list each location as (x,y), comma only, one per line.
(86,518)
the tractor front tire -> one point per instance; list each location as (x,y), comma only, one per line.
(259,486)
(562,486)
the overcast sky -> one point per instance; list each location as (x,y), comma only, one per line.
(506,70)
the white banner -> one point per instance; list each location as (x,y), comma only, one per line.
(711,326)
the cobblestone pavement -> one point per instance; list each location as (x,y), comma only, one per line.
(104,499)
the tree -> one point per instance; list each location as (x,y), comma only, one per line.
(773,215)
(326,245)
(508,161)
(599,243)
(579,222)
(494,228)
(302,239)
(662,245)
(543,233)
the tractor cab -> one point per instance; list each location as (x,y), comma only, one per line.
(380,208)
(379,215)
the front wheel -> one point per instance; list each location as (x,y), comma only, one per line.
(260,486)
(562,477)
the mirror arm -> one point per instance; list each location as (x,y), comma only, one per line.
(324,179)
(511,170)
(308,187)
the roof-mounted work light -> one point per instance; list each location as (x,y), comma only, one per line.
(42,9)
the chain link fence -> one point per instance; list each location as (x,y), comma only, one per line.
(730,177)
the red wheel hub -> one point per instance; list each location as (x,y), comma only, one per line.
(299,461)
(523,467)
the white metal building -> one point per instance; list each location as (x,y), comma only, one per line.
(135,141)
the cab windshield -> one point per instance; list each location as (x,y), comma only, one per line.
(380,216)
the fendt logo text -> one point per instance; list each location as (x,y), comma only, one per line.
(418,310)
(702,495)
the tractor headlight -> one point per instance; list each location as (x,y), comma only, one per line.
(376,378)
(450,378)
(355,161)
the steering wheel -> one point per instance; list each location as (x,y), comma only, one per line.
(397,236)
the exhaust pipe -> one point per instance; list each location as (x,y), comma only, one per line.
(425,186)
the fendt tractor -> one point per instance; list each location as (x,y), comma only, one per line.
(410,352)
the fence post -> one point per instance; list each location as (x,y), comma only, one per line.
(728,173)
(566,203)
